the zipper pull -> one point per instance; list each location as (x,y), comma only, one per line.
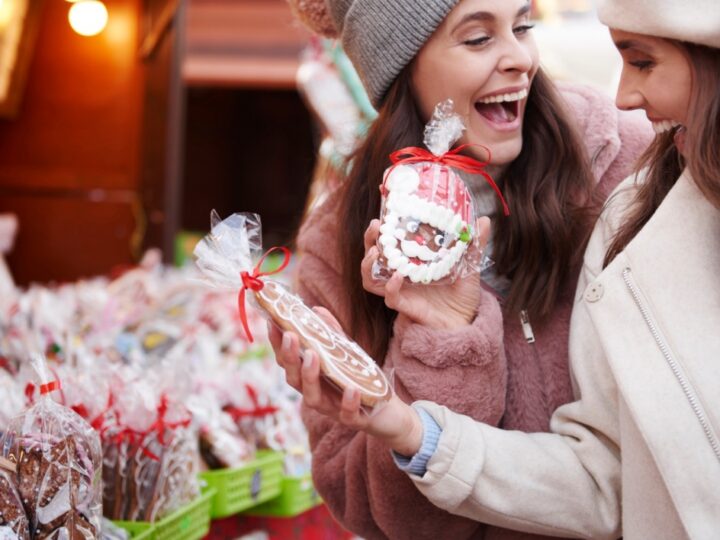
(527,327)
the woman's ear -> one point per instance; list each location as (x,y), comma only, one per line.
(315,15)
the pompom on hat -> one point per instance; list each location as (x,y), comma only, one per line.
(380,37)
(694,21)
(315,15)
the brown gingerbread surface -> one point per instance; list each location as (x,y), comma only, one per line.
(13,519)
(341,360)
(54,485)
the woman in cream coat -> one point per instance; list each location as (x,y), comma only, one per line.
(638,453)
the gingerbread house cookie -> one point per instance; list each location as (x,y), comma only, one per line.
(342,361)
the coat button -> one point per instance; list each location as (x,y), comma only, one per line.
(594,292)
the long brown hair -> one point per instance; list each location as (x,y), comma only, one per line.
(663,161)
(548,188)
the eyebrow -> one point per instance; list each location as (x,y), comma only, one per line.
(486,16)
(626,44)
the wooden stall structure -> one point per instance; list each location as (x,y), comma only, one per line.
(122,139)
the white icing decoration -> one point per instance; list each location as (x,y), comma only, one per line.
(331,346)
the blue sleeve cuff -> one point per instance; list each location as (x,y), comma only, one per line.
(417,464)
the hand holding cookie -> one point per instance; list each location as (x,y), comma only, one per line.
(394,421)
(225,256)
(442,306)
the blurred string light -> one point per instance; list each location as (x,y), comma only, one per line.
(87,17)
(6,13)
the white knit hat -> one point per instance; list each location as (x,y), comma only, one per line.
(695,21)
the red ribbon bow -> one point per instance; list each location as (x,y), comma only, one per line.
(253,282)
(452,158)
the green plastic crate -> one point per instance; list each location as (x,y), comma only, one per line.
(297,495)
(139,530)
(191,522)
(244,487)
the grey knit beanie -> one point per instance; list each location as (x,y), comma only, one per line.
(696,21)
(381,37)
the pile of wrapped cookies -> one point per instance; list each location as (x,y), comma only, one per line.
(121,399)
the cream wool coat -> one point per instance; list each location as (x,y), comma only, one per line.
(638,454)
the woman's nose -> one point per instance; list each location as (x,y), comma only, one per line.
(517,57)
(629,96)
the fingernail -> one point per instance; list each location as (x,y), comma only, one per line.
(285,342)
(308,361)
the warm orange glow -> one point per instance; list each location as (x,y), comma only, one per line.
(88,17)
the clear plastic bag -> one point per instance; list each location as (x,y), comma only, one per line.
(226,255)
(58,461)
(14,524)
(427,230)
(150,460)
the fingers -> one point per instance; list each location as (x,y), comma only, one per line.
(482,226)
(371,234)
(350,412)
(393,298)
(370,284)
(275,336)
(310,374)
(289,359)
(328,318)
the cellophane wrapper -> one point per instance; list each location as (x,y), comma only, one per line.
(58,460)
(427,229)
(150,460)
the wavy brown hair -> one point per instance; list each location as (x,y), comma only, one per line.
(663,161)
(548,187)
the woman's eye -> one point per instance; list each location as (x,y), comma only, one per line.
(476,41)
(412,226)
(642,65)
(523,29)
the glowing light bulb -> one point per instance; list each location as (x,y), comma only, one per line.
(88,17)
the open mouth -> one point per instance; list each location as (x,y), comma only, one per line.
(664,125)
(501,109)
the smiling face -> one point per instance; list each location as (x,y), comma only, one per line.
(484,58)
(656,77)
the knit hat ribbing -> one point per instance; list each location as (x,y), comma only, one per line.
(695,21)
(380,37)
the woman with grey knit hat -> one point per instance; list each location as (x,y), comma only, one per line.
(495,350)
(638,453)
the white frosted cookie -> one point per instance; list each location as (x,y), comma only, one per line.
(341,360)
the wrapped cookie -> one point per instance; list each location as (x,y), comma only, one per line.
(427,217)
(14,524)
(150,450)
(58,465)
(225,257)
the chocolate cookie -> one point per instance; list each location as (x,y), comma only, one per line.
(342,361)
(13,519)
(55,480)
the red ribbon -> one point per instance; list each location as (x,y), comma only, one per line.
(452,158)
(44,389)
(258,411)
(253,282)
(133,437)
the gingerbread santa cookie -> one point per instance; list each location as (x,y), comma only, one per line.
(427,215)
(426,224)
